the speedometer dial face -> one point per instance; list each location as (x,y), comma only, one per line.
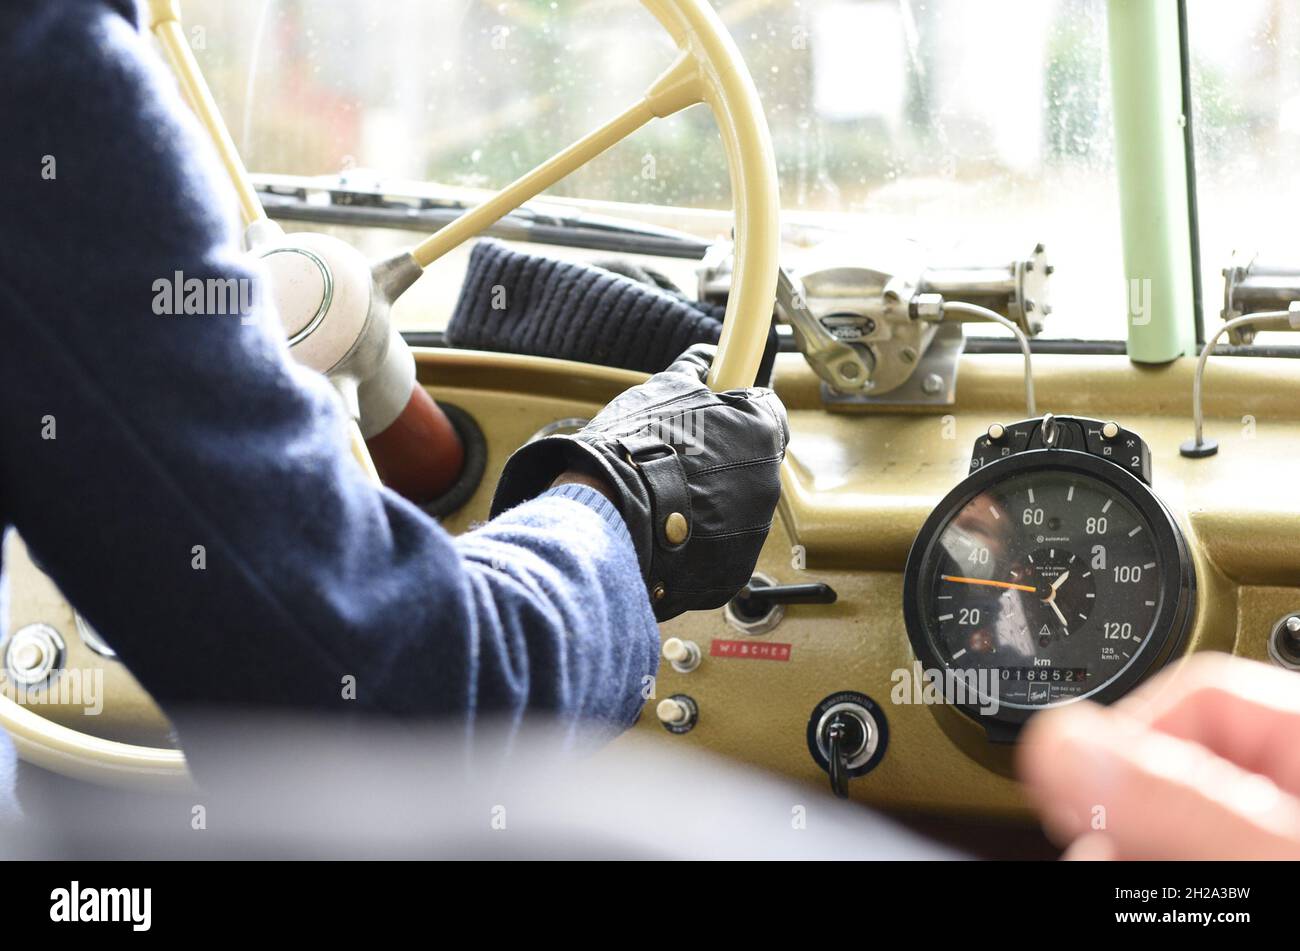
(1048,582)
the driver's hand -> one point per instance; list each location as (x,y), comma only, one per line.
(696,475)
(1201,762)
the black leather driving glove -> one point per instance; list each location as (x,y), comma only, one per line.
(696,475)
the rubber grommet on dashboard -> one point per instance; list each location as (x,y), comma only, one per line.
(475,444)
(1192,449)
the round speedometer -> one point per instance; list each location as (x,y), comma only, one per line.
(1046,577)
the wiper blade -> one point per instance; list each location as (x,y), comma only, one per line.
(326,201)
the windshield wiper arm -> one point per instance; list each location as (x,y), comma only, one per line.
(289,199)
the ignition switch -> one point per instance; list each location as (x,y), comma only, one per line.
(847,736)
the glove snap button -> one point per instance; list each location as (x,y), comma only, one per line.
(649,453)
(658,592)
(676,528)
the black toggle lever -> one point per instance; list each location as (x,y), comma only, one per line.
(817,592)
(755,600)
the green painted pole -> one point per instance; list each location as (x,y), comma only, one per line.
(1146,84)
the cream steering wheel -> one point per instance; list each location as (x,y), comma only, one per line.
(708,69)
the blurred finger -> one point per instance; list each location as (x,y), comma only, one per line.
(1244,711)
(1091,847)
(1090,770)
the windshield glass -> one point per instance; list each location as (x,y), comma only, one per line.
(975,129)
(1245,60)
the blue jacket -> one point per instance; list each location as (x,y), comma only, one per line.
(187,485)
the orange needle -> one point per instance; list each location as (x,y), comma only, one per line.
(991,584)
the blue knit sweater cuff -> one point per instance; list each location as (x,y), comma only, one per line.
(595,501)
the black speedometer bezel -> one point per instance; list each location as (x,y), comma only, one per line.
(1178,575)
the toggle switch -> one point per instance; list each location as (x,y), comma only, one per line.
(759,606)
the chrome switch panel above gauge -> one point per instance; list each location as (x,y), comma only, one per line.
(1050,574)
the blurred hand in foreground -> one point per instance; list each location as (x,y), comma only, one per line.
(1200,762)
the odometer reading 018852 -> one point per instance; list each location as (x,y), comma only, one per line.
(1049,575)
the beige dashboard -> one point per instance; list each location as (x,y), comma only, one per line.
(857,487)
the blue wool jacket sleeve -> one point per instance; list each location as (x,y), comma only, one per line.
(187,485)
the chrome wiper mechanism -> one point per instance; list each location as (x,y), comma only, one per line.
(846,368)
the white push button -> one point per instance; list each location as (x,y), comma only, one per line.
(673,712)
(675,649)
(683,655)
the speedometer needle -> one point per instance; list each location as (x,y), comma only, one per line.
(992,584)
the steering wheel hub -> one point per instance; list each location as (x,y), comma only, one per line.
(302,289)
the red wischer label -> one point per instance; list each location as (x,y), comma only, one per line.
(750,650)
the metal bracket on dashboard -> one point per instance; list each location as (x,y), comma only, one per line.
(934,382)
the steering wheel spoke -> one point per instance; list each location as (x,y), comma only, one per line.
(680,86)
